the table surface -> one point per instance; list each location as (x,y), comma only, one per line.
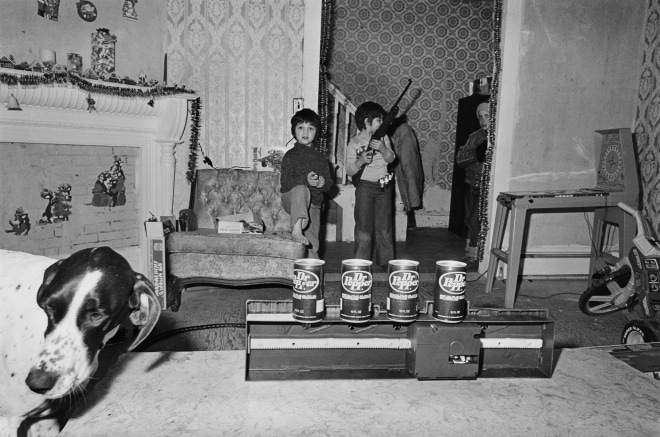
(590,393)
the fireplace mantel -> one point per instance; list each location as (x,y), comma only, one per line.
(60,114)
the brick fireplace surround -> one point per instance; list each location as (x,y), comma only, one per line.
(55,139)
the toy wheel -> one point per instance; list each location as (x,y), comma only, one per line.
(640,331)
(597,299)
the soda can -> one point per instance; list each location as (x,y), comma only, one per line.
(308,300)
(356,282)
(403,281)
(449,304)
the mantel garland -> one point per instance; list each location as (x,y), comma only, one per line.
(64,79)
(195,123)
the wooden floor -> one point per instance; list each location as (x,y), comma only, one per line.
(426,245)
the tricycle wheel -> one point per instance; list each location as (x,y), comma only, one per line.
(640,331)
(597,299)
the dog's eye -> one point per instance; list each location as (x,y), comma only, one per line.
(95,316)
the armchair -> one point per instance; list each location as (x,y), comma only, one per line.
(200,255)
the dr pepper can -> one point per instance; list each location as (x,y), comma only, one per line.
(308,301)
(449,304)
(356,282)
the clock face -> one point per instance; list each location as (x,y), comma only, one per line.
(612,163)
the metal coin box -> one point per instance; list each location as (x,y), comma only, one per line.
(488,343)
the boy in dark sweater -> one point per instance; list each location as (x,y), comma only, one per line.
(305,177)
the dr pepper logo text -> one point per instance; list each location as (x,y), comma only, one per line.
(356,281)
(404,281)
(305,281)
(452,282)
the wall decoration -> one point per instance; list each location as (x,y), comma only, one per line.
(86,10)
(20,225)
(58,208)
(48,9)
(103,53)
(109,188)
(128,10)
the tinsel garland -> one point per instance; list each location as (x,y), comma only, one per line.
(484,185)
(69,78)
(195,124)
(326,21)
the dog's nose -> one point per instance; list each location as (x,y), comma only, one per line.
(40,381)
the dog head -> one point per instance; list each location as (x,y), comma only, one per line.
(86,297)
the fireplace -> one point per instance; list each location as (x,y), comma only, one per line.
(59,146)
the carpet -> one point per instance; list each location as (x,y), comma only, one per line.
(213,318)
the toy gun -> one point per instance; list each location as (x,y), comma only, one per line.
(389,118)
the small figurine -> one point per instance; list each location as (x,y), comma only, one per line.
(91,103)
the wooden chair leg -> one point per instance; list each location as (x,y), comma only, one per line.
(518,217)
(498,237)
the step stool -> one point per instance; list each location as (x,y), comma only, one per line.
(516,206)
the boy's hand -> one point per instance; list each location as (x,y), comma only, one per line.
(366,157)
(321,182)
(313,179)
(377,145)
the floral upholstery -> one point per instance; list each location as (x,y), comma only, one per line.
(201,255)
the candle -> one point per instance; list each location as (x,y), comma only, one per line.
(165,69)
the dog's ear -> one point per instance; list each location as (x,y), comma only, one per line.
(145,308)
(49,274)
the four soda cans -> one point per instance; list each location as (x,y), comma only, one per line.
(355,305)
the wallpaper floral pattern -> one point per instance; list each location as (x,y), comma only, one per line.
(244,59)
(442,45)
(647,117)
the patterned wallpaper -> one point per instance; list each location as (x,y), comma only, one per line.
(647,118)
(244,59)
(441,45)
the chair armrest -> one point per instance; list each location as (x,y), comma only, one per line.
(187,220)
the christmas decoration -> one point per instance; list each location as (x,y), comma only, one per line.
(109,188)
(91,103)
(195,123)
(58,208)
(72,78)
(484,185)
(326,26)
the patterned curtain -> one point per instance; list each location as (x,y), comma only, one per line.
(647,118)
(244,59)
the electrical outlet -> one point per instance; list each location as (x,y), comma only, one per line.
(298,104)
